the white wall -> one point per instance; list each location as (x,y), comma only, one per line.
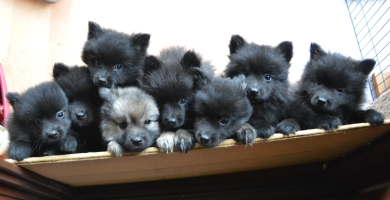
(206,25)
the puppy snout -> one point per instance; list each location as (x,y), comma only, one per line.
(53,134)
(172,121)
(321,101)
(253,92)
(80,115)
(102,82)
(137,141)
(205,139)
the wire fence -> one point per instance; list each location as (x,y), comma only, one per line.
(371,23)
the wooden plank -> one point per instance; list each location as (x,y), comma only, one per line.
(305,147)
(202,169)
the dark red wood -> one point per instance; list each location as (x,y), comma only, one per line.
(30,184)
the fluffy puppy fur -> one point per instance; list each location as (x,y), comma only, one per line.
(331,91)
(172,79)
(129,120)
(84,104)
(114,58)
(266,70)
(222,112)
(40,124)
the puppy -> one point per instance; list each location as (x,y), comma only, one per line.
(114,58)
(129,120)
(172,79)
(331,91)
(84,104)
(40,124)
(266,70)
(222,112)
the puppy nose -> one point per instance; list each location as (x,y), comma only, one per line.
(205,139)
(254,92)
(53,134)
(321,101)
(102,81)
(80,115)
(136,141)
(172,121)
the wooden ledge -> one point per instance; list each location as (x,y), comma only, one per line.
(304,147)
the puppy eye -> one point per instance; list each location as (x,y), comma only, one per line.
(340,90)
(98,63)
(118,67)
(318,83)
(183,101)
(37,122)
(60,114)
(148,121)
(123,125)
(224,121)
(267,77)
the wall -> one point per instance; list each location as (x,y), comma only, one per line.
(34,34)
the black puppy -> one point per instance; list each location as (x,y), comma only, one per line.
(222,112)
(172,79)
(40,124)
(84,104)
(114,58)
(331,91)
(266,70)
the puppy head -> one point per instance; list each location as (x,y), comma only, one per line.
(114,58)
(83,96)
(129,117)
(172,81)
(265,67)
(43,111)
(332,80)
(222,108)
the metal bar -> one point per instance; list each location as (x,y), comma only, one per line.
(372,35)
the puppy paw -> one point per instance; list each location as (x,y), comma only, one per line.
(165,142)
(68,144)
(114,148)
(262,127)
(288,126)
(19,151)
(373,117)
(246,134)
(184,141)
(329,123)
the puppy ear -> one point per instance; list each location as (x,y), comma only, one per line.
(240,80)
(316,51)
(190,59)
(286,48)
(94,30)
(151,63)
(107,94)
(366,66)
(141,41)
(200,78)
(58,69)
(236,42)
(12,97)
